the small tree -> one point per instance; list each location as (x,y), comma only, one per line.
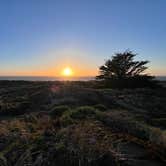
(122,65)
(123,71)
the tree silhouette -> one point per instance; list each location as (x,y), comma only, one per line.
(122,65)
(123,71)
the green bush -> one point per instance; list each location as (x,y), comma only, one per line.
(83,112)
(59,110)
(101,116)
(66,120)
(70,117)
(100,107)
(60,146)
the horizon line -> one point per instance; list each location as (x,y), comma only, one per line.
(61,76)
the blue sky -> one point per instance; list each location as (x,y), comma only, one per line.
(41,37)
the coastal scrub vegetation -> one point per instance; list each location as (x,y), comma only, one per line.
(77,125)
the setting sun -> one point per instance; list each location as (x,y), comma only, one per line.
(67,72)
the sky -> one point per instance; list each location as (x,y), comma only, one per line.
(42,37)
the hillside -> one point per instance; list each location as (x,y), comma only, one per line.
(71,124)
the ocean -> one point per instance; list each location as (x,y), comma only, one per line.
(44,78)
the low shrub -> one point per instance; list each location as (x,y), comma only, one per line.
(30,118)
(60,147)
(59,110)
(100,107)
(101,116)
(14,108)
(66,120)
(157,136)
(83,112)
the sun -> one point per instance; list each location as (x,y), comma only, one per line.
(67,72)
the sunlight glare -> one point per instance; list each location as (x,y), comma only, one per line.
(67,72)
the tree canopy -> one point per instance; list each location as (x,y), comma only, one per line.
(122,65)
(122,70)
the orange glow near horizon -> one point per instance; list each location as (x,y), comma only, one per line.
(59,71)
(68,71)
(67,68)
(66,62)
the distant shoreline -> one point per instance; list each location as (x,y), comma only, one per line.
(47,78)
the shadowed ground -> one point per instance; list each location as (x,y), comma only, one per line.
(68,123)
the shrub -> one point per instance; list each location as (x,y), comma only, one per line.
(59,110)
(60,147)
(66,120)
(101,116)
(30,118)
(83,112)
(156,136)
(100,107)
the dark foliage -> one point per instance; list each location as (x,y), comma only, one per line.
(101,127)
(123,72)
(132,82)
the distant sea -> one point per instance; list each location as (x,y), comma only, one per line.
(44,78)
(39,78)
(161,78)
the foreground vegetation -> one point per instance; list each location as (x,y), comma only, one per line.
(75,124)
